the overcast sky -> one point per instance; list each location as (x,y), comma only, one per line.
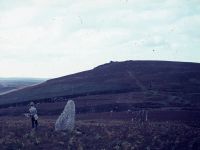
(52,38)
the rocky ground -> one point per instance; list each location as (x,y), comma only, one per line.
(16,134)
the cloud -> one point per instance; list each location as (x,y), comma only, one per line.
(17,17)
(67,36)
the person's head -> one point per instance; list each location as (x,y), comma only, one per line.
(31,103)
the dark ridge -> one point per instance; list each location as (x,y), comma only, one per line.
(179,82)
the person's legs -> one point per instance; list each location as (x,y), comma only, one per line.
(33,122)
(36,124)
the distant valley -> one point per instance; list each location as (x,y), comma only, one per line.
(11,84)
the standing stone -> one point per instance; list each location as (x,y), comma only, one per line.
(67,118)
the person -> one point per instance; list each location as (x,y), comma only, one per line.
(33,115)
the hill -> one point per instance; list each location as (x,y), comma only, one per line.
(152,83)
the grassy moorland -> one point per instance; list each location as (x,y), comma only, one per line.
(16,134)
(109,100)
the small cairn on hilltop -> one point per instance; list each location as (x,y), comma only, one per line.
(66,120)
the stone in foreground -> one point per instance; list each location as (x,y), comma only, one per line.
(66,120)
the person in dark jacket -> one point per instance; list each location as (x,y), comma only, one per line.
(33,115)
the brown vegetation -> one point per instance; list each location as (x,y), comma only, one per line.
(16,134)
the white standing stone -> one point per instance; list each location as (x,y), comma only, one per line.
(66,120)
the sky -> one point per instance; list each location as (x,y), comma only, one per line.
(53,38)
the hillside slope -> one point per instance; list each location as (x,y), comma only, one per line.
(150,78)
